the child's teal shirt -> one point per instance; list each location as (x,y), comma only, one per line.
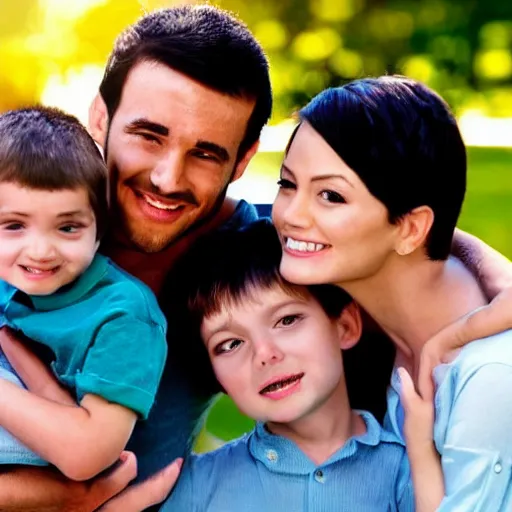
(105,329)
(266,472)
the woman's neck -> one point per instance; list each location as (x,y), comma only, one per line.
(412,298)
(324,431)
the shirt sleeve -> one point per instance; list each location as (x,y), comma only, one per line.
(477,454)
(124,363)
(404,488)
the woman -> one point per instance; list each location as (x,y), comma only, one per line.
(370,192)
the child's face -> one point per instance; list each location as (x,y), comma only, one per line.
(277,355)
(47,238)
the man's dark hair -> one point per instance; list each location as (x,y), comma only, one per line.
(46,149)
(402,140)
(203,42)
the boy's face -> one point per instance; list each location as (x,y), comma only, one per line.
(277,355)
(47,238)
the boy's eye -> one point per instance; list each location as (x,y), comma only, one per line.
(227,346)
(288,320)
(70,228)
(332,197)
(13,226)
(287,184)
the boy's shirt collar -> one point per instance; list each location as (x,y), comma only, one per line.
(282,455)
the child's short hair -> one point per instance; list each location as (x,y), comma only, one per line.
(235,262)
(46,149)
(223,268)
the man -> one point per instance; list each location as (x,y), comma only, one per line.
(185,94)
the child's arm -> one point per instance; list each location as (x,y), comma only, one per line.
(80,441)
(427,474)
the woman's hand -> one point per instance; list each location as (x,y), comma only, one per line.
(485,321)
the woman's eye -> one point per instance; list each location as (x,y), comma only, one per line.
(228,346)
(282,183)
(332,197)
(288,320)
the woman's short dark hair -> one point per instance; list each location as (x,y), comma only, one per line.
(402,140)
(47,149)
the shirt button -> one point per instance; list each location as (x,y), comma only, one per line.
(319,476)
(272,455)
(497,467)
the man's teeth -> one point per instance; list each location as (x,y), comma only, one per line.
(160,205)
(298,245)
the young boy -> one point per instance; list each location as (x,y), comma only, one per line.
(275,349)
(103,327)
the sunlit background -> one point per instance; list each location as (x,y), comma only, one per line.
(53,51)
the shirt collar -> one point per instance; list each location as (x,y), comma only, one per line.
(281,455)
(74,291)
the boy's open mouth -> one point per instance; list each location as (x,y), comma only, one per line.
(281,384)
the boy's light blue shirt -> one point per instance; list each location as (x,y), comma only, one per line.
(473,427)
(265,472)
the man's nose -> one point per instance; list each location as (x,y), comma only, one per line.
(168,175)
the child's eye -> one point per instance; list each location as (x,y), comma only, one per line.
(70,228)
(332,197)
(288,320)
(227,346)
(13,226)
(286,184)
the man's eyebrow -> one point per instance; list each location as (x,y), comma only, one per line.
(220,151)
(146,124)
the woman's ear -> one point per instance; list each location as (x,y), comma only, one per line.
(414,229)
(98,120)
(350,325)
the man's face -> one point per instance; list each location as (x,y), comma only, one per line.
(171,152)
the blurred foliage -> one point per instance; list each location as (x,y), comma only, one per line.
(462,48)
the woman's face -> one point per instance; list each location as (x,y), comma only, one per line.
(332,229)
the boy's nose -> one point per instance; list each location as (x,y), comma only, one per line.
(268,353)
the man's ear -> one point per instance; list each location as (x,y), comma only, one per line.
(244,161)
(414,229)
(98,120)
(350,326)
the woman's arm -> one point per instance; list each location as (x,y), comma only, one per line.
(492,270)
(427,474)
(81,441)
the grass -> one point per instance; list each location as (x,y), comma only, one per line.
(487,213)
